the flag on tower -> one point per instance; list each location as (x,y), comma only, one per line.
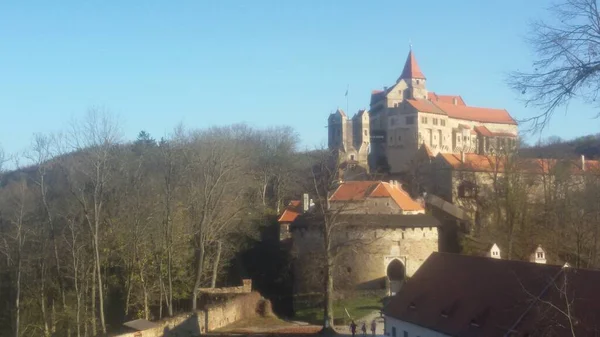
(347,91)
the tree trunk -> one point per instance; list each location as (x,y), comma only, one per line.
(18,294)
(169,294)
(328,312)
(43,304)
(200,265)
(99,275)
(93,297)
(145,290)
(216,266)
(161,293)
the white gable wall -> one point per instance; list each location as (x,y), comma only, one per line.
(403,329)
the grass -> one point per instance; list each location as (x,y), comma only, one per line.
(357,307)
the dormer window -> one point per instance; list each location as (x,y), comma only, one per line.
(540,255)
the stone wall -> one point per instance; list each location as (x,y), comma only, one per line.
(184,325)
(246,287)
(363,263)
(235,303)
(240,307)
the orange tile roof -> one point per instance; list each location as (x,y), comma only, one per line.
(484,115)
(352,190)
(424,105)
(360,190)
(292,211)
(482,130)
(432,96)
(411,68)
(402,199)
(427,150)
(489,163)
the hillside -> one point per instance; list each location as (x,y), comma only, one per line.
(589,146)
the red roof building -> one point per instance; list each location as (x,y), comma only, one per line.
(459,295)
(407,115)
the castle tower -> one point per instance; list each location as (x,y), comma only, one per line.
(336,126)
(414,79)
(362,136)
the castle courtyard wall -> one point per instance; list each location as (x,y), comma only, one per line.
(363,261)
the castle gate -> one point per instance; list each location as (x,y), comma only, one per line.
(395,274)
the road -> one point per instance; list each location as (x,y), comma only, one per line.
(367,320)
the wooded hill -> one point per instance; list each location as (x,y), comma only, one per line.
(554,147)
(98,231)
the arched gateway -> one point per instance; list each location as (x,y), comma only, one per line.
(395,274)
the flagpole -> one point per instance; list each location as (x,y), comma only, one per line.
(348,87)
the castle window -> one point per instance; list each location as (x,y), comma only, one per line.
(365,132)
(424,120)
(418,81)
(540,255)
(410,120)
(467,189)
(435,121)
(442,122)
(351,157)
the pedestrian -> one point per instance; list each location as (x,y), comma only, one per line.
(373,327)
(353,328)
(364,329)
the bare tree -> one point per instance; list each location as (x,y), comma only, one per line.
(567,61)
(94,139)
(335,226)
(13,243)
(215,178)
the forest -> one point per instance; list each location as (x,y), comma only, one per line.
(95,230)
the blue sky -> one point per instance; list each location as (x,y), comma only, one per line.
(159,63)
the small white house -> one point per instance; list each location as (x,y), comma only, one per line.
(538,256)
(494,252)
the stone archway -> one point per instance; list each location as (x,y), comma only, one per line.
(395,273)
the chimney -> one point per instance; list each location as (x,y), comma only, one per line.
(305,202)
(455,101)
(462,156)
(582,162)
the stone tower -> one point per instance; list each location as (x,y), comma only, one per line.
(350,137)
(413,78)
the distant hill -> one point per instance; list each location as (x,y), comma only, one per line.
(589,146)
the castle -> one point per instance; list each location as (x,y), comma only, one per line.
(406,116)
(382,236)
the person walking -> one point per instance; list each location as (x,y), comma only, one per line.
(373,327)
(364,329)
(353,328)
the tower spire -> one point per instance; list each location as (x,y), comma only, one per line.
(411,68)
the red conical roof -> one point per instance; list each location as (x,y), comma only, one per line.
(411,68)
